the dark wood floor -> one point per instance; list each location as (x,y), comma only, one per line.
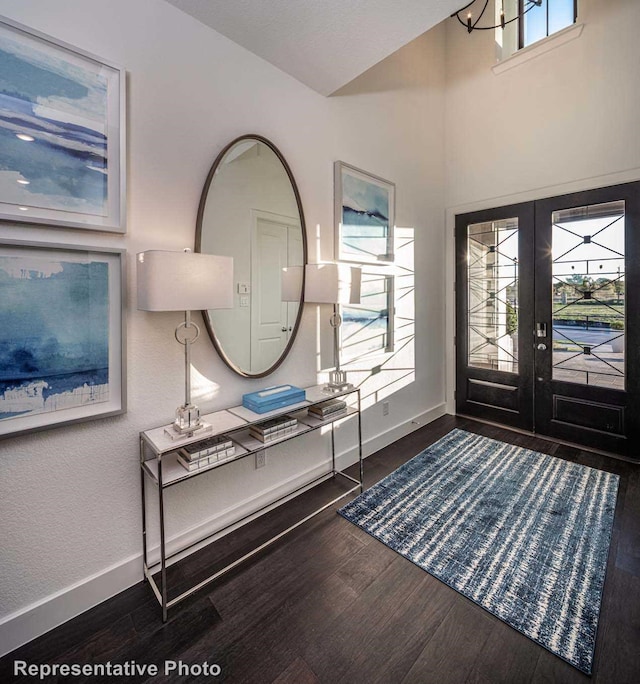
(330,604)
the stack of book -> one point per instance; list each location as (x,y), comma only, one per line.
(274,428)
(206,452)
(332,408)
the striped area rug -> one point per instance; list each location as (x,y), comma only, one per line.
(523,534)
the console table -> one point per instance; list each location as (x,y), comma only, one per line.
(159,465)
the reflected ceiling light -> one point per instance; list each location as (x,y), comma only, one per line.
(23,181)
(23,208)
(25,137)
(472,24)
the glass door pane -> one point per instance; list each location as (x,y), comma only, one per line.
(494,314)
(492,276)
(588,295)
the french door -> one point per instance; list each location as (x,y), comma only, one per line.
(548,317)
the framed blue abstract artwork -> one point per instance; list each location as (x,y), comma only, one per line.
(368,327)
(364,215)
(62,354)
(62,134)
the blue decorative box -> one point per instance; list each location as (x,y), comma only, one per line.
(273,398)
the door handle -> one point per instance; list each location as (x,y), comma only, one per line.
(283,329)
(541,347)
(541,330)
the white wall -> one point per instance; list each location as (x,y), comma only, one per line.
(564,121)
(568,115)
(69,497)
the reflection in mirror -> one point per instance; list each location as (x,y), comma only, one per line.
(250,210)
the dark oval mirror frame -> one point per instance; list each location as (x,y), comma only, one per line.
(203,200)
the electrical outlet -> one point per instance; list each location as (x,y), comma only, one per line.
(261,459)
(385,408)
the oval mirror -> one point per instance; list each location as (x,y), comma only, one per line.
(250,210)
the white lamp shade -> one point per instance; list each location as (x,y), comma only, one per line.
(291,284)
(184,281)
(332,283)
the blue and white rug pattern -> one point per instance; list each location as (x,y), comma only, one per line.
(522,534)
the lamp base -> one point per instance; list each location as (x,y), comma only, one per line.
(187,423)
(187,418)
(172,433)
(337,382)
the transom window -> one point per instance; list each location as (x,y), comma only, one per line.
(549,18)
(538,19)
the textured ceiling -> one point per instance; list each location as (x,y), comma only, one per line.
(323,43)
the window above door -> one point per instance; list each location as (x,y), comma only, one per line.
(545,20)
(537,23)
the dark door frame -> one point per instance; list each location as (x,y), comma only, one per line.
(528,400)
(506,398)
(552,395)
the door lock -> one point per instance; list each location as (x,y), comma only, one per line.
(542,346)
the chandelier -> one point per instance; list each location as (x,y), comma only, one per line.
(471,24)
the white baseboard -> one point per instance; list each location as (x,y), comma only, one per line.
(26,624)
(42,616)
(383,439)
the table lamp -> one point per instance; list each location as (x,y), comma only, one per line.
(184,281)
(332,283)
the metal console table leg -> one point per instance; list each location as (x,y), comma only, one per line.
(163,554)
(160,589)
